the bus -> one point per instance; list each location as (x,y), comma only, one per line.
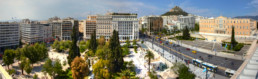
(197,62)
(210,67)
(202,64)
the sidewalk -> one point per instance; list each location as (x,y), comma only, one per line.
(221,54)
(4,73)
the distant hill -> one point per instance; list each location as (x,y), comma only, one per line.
(251,17)
(175,11)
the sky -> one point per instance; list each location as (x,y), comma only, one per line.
(79,9)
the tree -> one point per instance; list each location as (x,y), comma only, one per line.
(93,42)
(128,43)
(74,50)
(149,56)
(186,34)
(35,52)
(52,69)
(196,27)
(57,68)
(79,68)
(125,74)
(48,67)
(135,49)
(35,76)
(19,53)
(126,51)
(134,42)
(257,25)
(27,67)
(23,63)
(84,45)
(115,55)
(100,69)
(101,41)
(8,57)
(135,45)
(233,41)
(182,71)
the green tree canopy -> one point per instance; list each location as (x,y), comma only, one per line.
(74,49)
(182,71)
(93,42)
(186,34)
(8,57)
(115,55)
(233,41)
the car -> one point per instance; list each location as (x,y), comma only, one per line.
(187,48)
(3,64)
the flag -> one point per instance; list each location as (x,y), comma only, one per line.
(204,70)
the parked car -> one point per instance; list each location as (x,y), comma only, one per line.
(3,64)
(187,48)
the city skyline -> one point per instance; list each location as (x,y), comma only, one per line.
(79,9)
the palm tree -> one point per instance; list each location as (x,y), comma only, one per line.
(149,56)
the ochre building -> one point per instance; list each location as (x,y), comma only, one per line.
(223,26)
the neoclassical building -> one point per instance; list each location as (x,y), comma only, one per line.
(223,26)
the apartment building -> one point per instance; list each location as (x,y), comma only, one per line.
(33,31)
(62,28)
(56,29)
(223,26)
(9,35)
(90,26)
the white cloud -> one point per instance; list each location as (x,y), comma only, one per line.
(44,9)
(254,4)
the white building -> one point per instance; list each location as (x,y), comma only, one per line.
(180,21)
(188,21)
(32,32)
(9,35)
(125,23)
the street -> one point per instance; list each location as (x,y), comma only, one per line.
(219,61)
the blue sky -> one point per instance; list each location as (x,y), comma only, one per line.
(44,9)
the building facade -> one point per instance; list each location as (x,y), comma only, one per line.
(81,26)
(125,23)
(155,24)
(104,26)
(33,31)
(90,26)
(187,21)
(56,29)
(9,35)
(223,26)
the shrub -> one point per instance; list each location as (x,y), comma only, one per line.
(11,71)
(35,76)
(238,47)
